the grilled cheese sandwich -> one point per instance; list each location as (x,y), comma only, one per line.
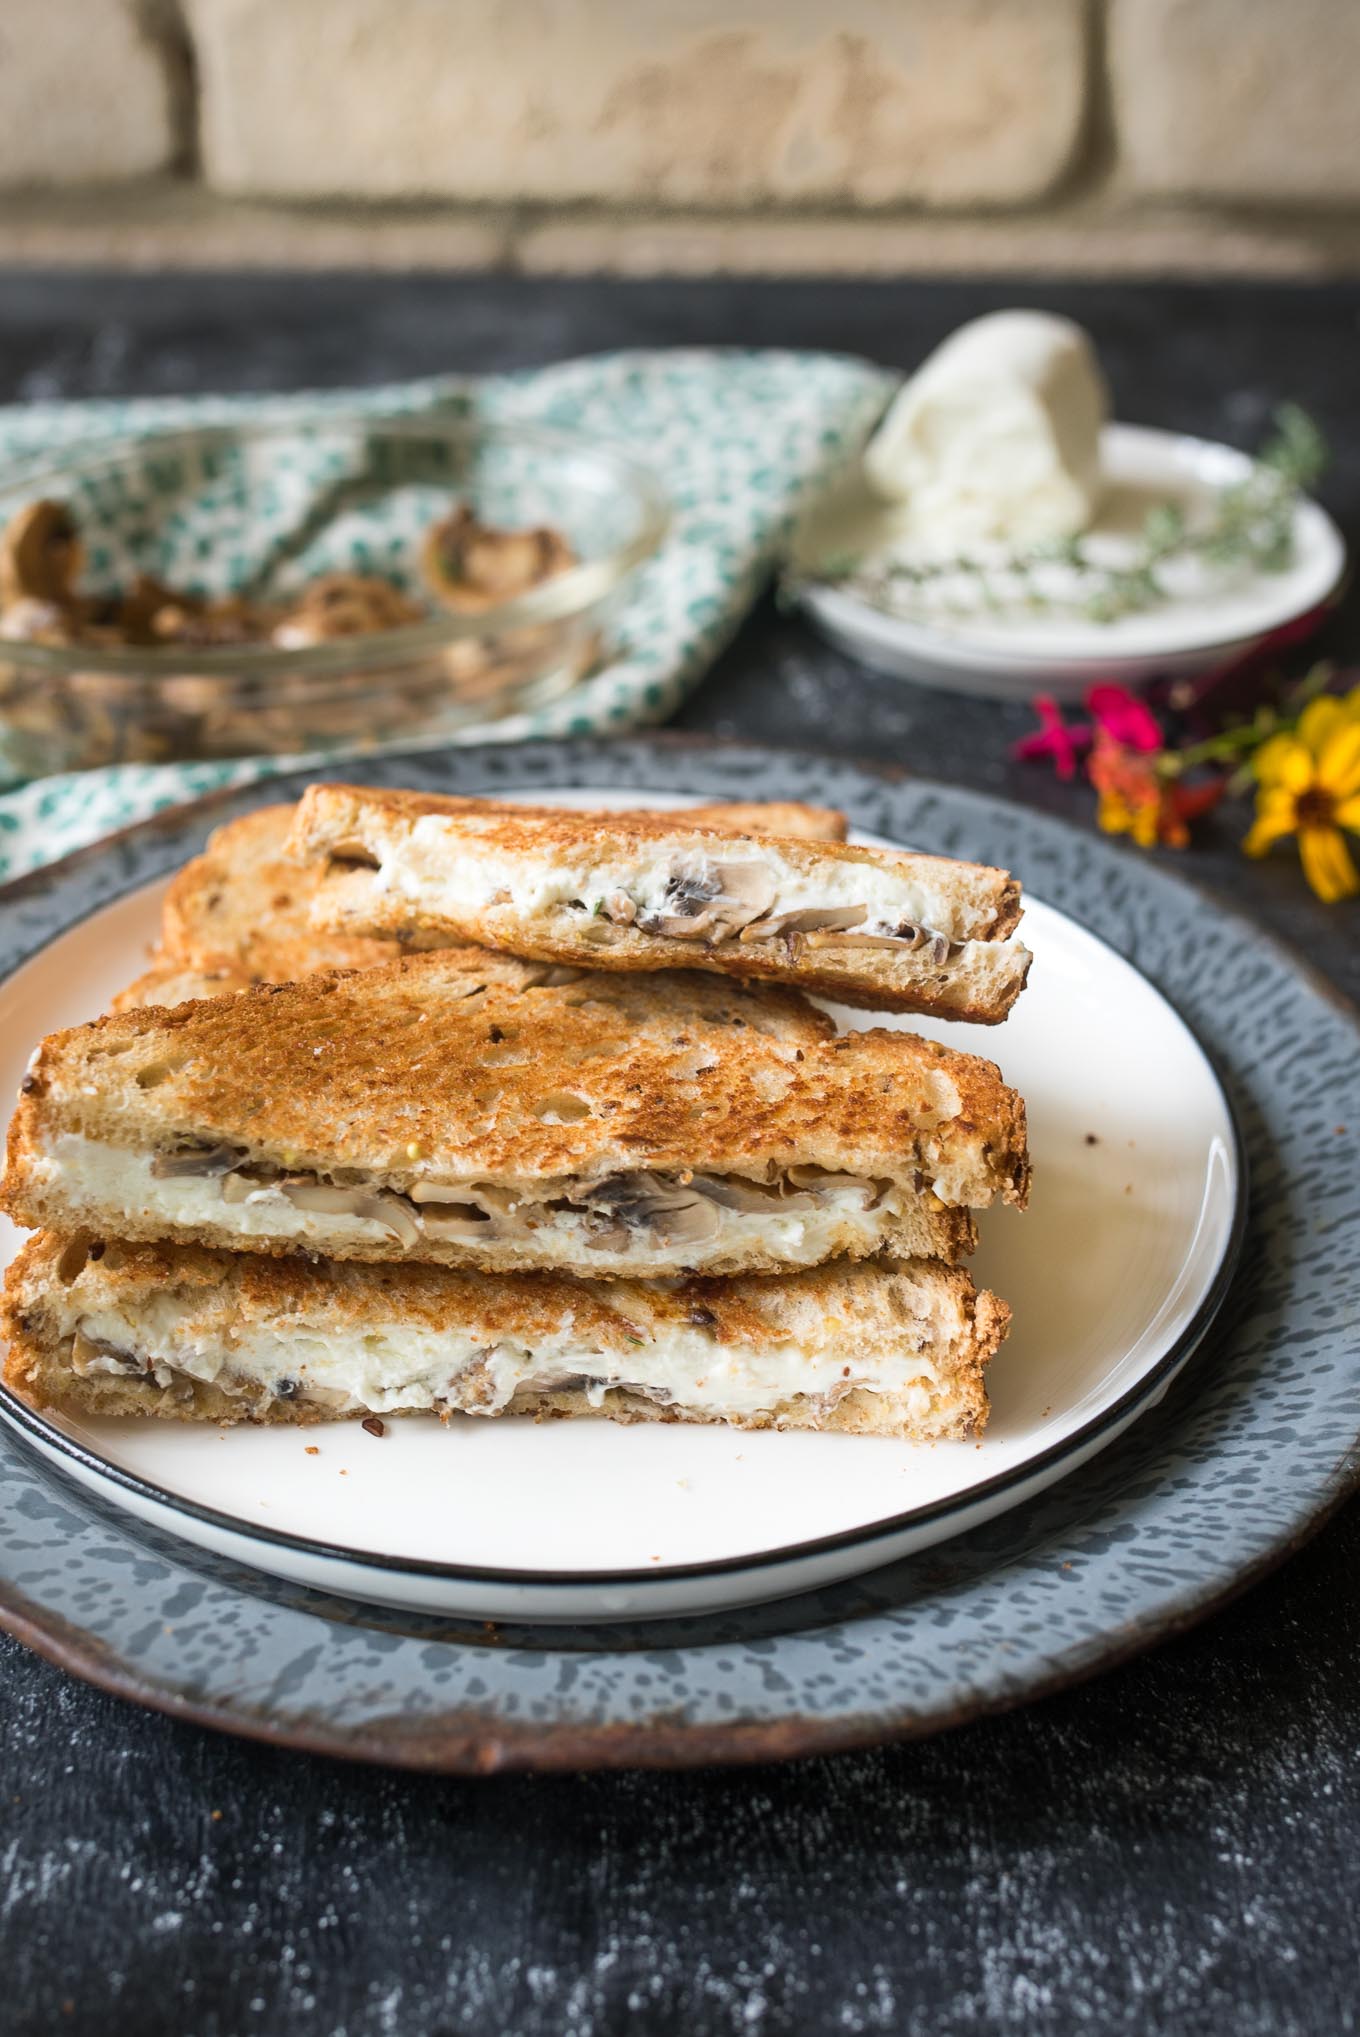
(117,1329)
(428,1111)
(240,913)
(876,928)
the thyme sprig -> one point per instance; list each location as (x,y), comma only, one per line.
(1251,526)
(1238,743)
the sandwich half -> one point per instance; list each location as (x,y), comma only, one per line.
(877,928)
(194,1335)
(433,1110)
(240,913)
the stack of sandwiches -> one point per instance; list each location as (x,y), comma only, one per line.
(444,1106)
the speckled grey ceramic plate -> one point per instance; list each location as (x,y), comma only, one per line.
(1243,1456)
(1113,1272)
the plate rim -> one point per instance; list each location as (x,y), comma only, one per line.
(457,1741)
(962,650)
(35,1425)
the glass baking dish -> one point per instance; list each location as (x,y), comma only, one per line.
(280,512)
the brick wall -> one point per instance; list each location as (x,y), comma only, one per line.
(756,134)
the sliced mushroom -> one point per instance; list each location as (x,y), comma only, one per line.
(194,1158)
(370,1205)
(502,1202)
(811,919)
(95,1354)
(455,1214)
(677,1214)
(749,1197)
(40,554)
(332,1397)
(470,566)
(822,1183)
(345,605)
(608,1237)
(459,1223)
(463,1198)
(688,899)
(739,893)
(242,1184)
(661,1395)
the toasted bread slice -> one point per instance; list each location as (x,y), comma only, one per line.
(428,1110)
(170,982)
(117,1329)
(245,904)
(239,913)
(872,927)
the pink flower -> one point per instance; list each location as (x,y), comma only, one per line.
(1055,738)
(1125,719)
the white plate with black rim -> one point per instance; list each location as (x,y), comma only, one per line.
(1114,1274)
(956,639)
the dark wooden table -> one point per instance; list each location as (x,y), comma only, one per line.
(1172,1848)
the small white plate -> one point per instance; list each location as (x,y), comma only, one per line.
(1113,1273)
(1209,619)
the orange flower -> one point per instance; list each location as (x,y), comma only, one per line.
(1137,799)
(1310,787)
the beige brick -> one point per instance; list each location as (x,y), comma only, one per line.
(663,102)
(1253,100)
(84,92)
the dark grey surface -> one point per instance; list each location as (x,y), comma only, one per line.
(1172,1848)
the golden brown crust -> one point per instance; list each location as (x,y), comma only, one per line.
(977,982)
(427,1069)
(245,904)
(57,1282)
(171,982)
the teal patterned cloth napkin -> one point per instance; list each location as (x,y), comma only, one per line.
(739,441)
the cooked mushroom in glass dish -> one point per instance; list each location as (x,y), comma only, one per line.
(293,586)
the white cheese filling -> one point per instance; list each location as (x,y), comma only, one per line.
(429,867)
(97,1175)
(406,1366)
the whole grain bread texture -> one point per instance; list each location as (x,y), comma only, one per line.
(966,965)
(432,1072)
(173,1300)
(240,913)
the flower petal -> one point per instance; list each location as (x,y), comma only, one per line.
(1339,762)
(1124,717)
(1276,816)
(1328,864)
(1318,720)
(1284,761)
(1055,738)
(1347,813)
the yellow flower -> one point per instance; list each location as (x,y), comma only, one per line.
(1310,787)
